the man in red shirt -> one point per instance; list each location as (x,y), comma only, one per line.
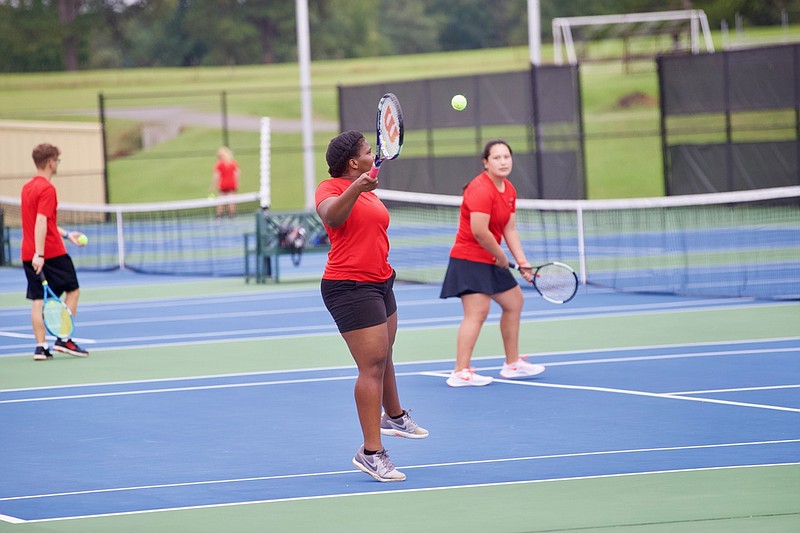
(43,250)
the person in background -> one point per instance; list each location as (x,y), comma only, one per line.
(226,179)
(43,250)
(478,270)
(357,288)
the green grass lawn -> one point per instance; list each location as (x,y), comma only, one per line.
(623,148)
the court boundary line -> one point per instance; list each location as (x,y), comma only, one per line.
(482,358)
(407,467)
(425,489)
(669,396)
(738,389)
(531,315)
(434,373)
(329,329)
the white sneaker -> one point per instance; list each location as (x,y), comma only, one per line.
(520,369)
(468,378)
(378,465)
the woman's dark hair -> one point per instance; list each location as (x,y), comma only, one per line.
(342,149)
(488,148)
(485,155)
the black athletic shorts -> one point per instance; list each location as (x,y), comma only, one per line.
(356,305)
(59,272)
(467,277)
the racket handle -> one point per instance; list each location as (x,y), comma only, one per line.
(373,172)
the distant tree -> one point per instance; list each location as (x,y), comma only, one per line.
(344,28)
(407,27)
(68,13)
(274,21)
(27,40)
(223,31)
(50,35)
(468,24)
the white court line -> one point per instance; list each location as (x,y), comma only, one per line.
(628,392)
(449,321)
(17,335)
(406,467)
(421,325)
(190,318)
(426,489)
(740,389)
(671,356)
(179,389)
(321,379)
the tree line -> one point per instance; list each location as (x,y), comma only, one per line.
(57,35)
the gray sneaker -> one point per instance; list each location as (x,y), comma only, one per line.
(378,466)
(405,427)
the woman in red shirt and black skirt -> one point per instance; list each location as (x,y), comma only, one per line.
(478,268)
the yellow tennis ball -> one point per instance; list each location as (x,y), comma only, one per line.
(459,102)
(83,240)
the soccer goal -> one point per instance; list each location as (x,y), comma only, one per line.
(628,27)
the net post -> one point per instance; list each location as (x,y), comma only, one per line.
(265,176)
(120,241)
(581,244)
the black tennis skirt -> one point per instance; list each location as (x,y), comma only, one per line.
(466,277)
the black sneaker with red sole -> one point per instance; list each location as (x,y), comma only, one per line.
(69,346)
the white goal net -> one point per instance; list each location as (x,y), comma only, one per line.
(674,24)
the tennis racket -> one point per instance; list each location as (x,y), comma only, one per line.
(389,128)
(555,282)
(56,314)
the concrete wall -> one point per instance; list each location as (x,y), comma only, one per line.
(80,174)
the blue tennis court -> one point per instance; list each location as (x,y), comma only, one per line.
(148,424)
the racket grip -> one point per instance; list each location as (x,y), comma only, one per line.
(517,267)
(373,172)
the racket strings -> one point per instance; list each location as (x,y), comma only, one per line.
(555,282)
(57,318)
(389,127)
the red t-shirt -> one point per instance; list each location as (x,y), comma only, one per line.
(360,246)
(481,196)
(39,197)
(227,175)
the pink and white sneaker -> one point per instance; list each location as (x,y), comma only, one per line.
(520,369)
(468,378)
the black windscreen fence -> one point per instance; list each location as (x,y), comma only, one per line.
(538,112)
(731,120)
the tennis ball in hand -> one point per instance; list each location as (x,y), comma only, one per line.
(83,240)
(459,102)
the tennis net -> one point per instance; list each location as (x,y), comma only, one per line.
(737,244)
(183,238)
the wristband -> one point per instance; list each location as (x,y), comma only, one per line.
(66,235)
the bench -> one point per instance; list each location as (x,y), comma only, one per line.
(269,242)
